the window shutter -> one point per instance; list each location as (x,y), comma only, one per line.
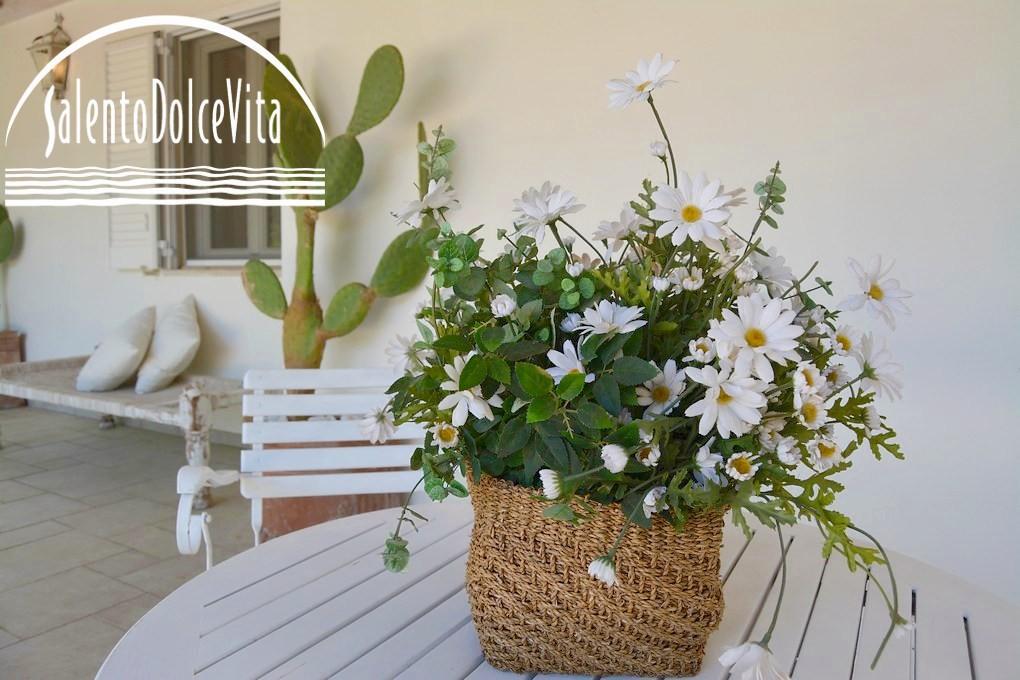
(133,231)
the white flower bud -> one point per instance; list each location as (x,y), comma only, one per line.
(552,484)
(575,269)
(658,149)
(603,569)
(503,305)
(615,457)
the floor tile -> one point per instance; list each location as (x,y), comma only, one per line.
(164,577)
(118,517)
(12,468)
(71,652)
(6,638)
(57,600)
(84,479)
(33,532)
(107,497)
(125,614)
(17,514)
(11,490)
(123,563)
(161,543)
(39,559)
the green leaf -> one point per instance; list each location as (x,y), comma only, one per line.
(457,489)
(587,287)
(541,408)
(500,370)
(633,371)
(633,509)
(571,385)
(403,264)
(380,89)
(343,161)
(457,343)
(559,511)
(469,286)
(594,416)
(6,235)
(536,381)
(491,338)
(396,555)
(435,487)
(513,437)
(627,436)
(475,371)
(300,139)
(263,288)
(607,394)
(516,351)
(347,309)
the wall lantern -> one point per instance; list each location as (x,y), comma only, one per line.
(44,48)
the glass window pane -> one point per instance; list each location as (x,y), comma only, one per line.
(228,224)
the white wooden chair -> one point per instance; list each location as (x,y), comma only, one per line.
(304,439)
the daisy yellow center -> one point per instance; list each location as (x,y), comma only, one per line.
(723,398)
(755,337)
(844,341)
(703,346)
(809,411)
(660,393)
(741,465)
(574,370)
(809,379)
(643,86)
(875,292)
(447,433)
(644,453)
(826,450)
(690,213)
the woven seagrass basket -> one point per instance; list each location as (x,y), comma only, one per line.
(537,610)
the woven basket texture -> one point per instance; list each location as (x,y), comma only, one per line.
(536,609)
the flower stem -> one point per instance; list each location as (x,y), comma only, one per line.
(764,642)
(669,145)
(582,237)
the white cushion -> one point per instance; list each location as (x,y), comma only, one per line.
(173,347)
(119,355)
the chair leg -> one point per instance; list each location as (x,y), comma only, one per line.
(256,519)
(195,415)
(107,422)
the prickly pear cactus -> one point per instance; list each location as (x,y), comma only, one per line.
(6,234)
(306,326)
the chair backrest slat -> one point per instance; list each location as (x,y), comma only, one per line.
(320,378)
(312,404)
(287,486)
(315,431)
(333,458)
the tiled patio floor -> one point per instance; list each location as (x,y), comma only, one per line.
(87,537)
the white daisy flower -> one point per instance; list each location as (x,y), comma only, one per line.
(638,84)
(609,318)
(772,268)
(658,149)
(731,403)
(405,357)
(660,283)
(575,269)
(652,502)
(461,401)
(770,430)
(377,425)
(661,391)
(542,206)
(807,380)
(692,279)
(439,196)
(566,362)
(761,331)
(502,306)
(696,209)
(881,373)
(825,453)
(788,451)
(604,570)
(741,467)
(552,484)
(751,661)
(571,322)
(812,412)
(614,231)
(881,295)
(648,455)
(445,435)
(708,463)
(835,377)
(701,350)
(614,457)
(872,420)
(842,341)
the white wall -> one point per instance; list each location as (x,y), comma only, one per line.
(895,122)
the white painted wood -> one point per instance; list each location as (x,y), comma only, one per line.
(335,458)
(291,486)
(317,604)
(316,378)
(297,432)
(313,404)
(895,661)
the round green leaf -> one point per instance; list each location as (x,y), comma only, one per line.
(348,308)
(403,264)
(541,408)
(380,89)
(343,161)
(300,139)
(263,288)
(6,236)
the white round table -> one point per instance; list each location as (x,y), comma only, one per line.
(318,604)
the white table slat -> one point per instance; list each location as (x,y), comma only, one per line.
(287,627)
(994,627)
(804,572)
(745,590)
(828,648)
(895,661)
(487,672)
(393,655)
(941,605)
(456,657)
(352,638)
